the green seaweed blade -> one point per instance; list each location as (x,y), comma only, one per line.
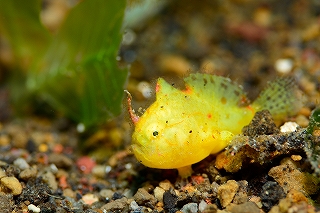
(79,74)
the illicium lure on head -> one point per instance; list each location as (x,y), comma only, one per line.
(182,127)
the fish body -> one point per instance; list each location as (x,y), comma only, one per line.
(182,127)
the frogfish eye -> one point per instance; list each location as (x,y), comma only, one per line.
(155,133)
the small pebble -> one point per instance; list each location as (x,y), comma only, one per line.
(302,120)
(227,191)
(247,207)
(202,206)
(53,168)
(289,127)
(99,171)
(107,193)
(284,66)
(166,185)
(43,147)
(61,161)
(81,127)
(296,157)
(28,173)
(256,200)
(145,89)
(86,164)
(108,169)
(69,193)
(33,208)
(2,173)
(4,140)
(316,133)
(158,193)
(190,208)
(128,37)
(21,163)
(50,179)
(12,184)
(89,199)
(115,206)
(134,206)
(142,197)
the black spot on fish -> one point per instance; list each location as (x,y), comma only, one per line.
(211,80)
(205,81)
(223,85)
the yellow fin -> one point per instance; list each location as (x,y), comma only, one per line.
(281,98)
(215,88)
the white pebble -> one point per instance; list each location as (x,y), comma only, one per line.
(128,166)
(158,193)
(202,206)
(190,208)
(21,163)
(129,37)
(289,127)
(33,208)
(108,169)
(134,206)
(145,89)
(81,127)
(284,65)
(54,169)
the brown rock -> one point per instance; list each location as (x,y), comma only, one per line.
(227,191)
(242,194)
(290,177)
(158,193)
(28,173)
(118,205)
(12,184)
(248,207)
(61,161)
(142,197)
(294,202)
(259,149)
(166,185)
(50,179)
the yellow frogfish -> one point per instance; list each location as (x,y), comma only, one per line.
(182,127)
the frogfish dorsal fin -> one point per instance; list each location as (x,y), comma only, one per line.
(163,88)
(215,88)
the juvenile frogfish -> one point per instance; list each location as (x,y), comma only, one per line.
(182,127)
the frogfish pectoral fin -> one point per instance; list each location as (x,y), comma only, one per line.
(224,138)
